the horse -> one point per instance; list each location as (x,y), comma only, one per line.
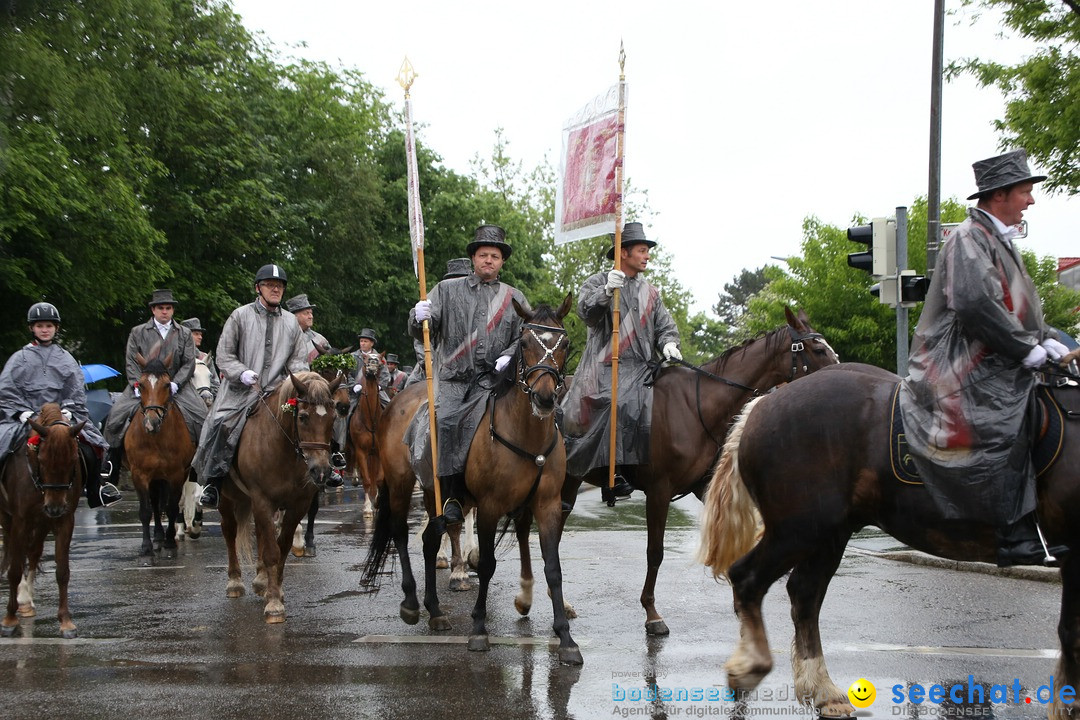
(363,429)
(692,410)
(158,452)
(814,461)
(515,467)
(40,487)
(282,460)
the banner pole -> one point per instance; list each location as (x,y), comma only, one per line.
(405,78)
(615,313)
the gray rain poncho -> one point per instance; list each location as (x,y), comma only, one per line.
(645,327)
(247,343)
(36,375)
(472,323)
(178,343)
(966,399)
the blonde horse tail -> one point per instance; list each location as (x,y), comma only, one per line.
(730,524)
(244,537)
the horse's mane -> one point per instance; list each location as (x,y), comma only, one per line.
(50,413)
(717,364)
(543,314)
(155,366)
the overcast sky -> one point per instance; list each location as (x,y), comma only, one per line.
(743,118)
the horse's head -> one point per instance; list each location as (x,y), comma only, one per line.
(310,401)
(809,349)
(542,352)
(341,391)
(372,364)
(155,390)
(53,457)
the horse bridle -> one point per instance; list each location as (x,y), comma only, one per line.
(799,351)
(160,409)
(298,445)
(36,476)
(542,366)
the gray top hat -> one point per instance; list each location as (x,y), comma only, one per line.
(391,358)
(458,267)
(193,324)
(1001,172)
(369,334)
(632,234)
(492,235)
(298,303)
(162,297)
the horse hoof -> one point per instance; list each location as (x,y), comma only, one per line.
(441,563)
(479,643)
(522,607)
(147,551)
(26,611)
(170,544)
(234,589)
(460,584)
(656,628)
(273,618)
(298,551)
(439,623)
(411,617)
(570,656)
(194,533)
(8,630)
(473,559)
(70,633)
(836,709)
(309,551)
(258,587)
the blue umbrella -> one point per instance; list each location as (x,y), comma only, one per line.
(93,373)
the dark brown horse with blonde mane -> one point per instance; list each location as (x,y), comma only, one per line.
(158,451)
(814,461)
(282,460)
(515,467)
(692,411)
(40,488)
(363,427)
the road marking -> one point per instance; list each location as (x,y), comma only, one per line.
(461,640)
(59,641)
(982,652)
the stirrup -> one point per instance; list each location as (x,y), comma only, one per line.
(109,494)
(337,461)
(106,469)
(452,512)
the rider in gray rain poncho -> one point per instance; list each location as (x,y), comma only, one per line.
(967,401)
(647,332)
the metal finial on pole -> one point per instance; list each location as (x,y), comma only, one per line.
(406,75)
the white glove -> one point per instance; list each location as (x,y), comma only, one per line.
(502,362)
(1035,358)
(25,415)
(174,387)
(357,388)
(66,413)
(615,279)
(248,377)
(422,311)
(671,352)
(1055,349)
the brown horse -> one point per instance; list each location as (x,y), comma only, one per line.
(40,488)
(516,466)
(815,461)
(363,428)
(158,451)
(282,461)
(692,410)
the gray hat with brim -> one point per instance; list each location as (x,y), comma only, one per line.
(492,235)
(458,267)
(162,297)
(193,324)
(632,234)
(392,358)
(369,334)
(298,303)
(1003,171)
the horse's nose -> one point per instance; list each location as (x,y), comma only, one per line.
(55,510)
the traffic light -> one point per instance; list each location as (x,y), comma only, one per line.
(913,287)
(879,258)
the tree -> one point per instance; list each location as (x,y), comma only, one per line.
(1042,93)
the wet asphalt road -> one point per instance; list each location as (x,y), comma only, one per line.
(157,637)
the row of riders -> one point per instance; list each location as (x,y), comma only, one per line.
(979,338)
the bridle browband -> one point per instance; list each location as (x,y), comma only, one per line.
(298,445)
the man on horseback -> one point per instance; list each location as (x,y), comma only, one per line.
(205,378)
(458,267)
(161,334)
(968,399)
(647,333)
(43,372)
(366,339)
(397,377)
(303,310)
(259,345)
(474,323)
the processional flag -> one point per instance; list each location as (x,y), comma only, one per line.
(587,192)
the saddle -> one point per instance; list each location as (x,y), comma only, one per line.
(1048,442)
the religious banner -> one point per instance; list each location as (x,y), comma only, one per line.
(586,194)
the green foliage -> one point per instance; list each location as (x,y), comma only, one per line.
(339,361)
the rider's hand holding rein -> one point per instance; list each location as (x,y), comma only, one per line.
(248,377)
(1035,358)
(1054,349)
(671,352)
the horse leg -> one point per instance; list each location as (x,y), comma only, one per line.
(192,511)
(1067,671)
(441,563)
(172,492)
(26,594)
(523,600)
(309,536)
(158,492)
(550,520)
(806,587)
(269,557)
(437,619)
(657,502)
(14,539)
(468,547)
(68,631)
(459,576)
(478,638)
(234,588)
(143,491)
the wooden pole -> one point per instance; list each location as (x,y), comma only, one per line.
(615,313)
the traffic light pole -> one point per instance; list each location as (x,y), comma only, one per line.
(901,311)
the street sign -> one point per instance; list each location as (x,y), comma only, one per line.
(947,230)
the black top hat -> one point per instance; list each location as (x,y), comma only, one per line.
(492,235)
(632,234)
(458,267)
(298,303)
(162,297)
(369,334)
(391,358)
(193,324)
(1001,172)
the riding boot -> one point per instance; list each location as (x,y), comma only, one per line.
(622,489)
(99,492)
(1021,543)
(209,497)
(111,464)
(454,487)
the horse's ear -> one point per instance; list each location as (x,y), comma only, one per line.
(298,385)
(567,304)
(336,382)
(517,308)
(343,351)
(38,428)
(156,350)
(168,361)
(140,359)
(792,321)
(76,429)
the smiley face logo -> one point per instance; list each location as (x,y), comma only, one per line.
(862,693)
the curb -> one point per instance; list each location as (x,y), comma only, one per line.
(914,557)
